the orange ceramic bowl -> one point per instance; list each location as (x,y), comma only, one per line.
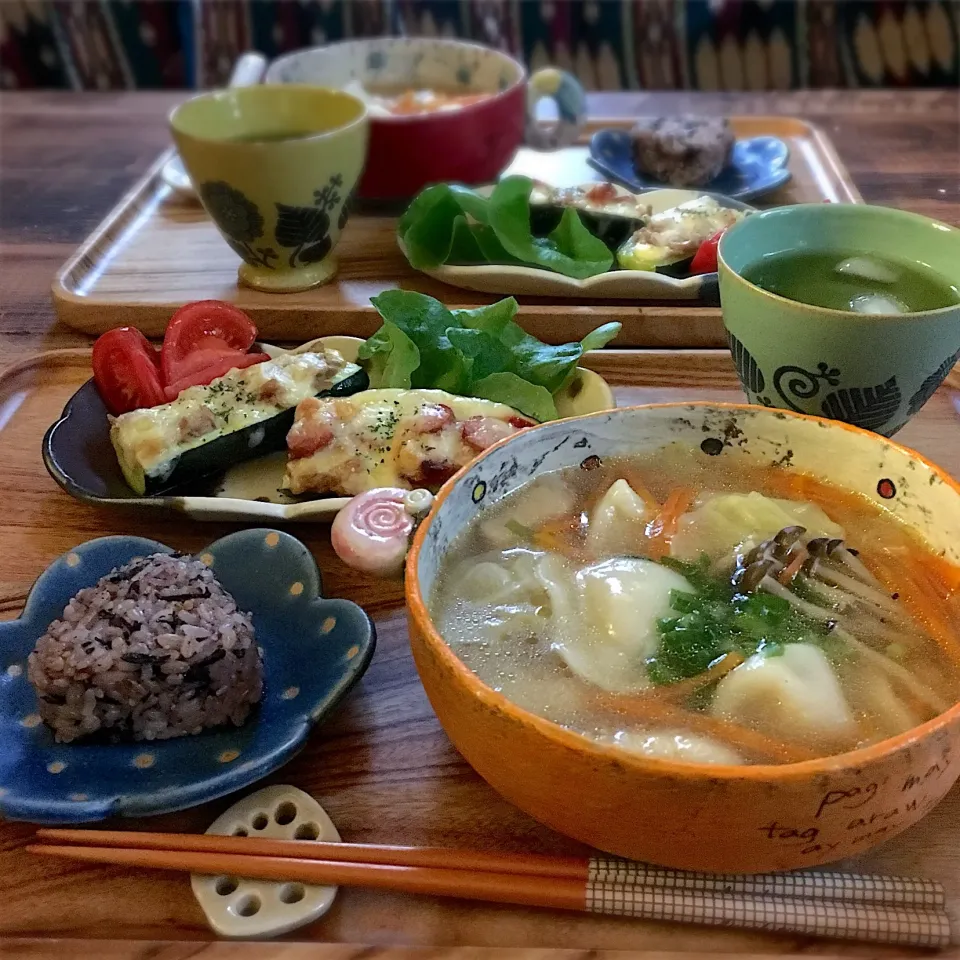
(737,819)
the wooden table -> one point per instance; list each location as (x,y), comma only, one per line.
(66,158)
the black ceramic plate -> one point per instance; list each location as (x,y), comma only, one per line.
(78,454)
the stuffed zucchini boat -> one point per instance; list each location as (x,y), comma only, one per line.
(246,413)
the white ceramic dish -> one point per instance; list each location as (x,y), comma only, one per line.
(615,285)
(77,453)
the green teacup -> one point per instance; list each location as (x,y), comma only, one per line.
(275,167)
(872,370)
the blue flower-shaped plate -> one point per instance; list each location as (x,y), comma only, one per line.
(758,165)
(314,650)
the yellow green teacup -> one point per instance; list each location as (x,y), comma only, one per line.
(872,370)
(275,167)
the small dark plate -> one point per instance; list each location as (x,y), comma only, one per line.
(78,454)
(314,650)
(758,165)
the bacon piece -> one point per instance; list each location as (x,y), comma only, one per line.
(601,193)
(306,437)
(269,390)
(521,422)
(196,424)
(434,473)
(483,432)
(432,418)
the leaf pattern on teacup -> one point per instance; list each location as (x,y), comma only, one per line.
(240,221)
(750,373)
(307,229)
(929,386)
(867,407)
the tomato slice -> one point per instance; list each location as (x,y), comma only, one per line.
(207,325)
(205,357)
(202,376)
(125,371)
(705,259)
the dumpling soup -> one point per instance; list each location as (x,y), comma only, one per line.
(709,609)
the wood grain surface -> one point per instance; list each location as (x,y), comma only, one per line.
(157,250)
(382,766)
(68,158)
(25,949)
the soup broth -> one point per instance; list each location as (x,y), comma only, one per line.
(273,137)
(843,280)
(705,622)
(402,100)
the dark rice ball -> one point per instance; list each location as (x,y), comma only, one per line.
(156,649)
(682,151)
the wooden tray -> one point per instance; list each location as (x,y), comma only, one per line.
(382,766)
(157,250)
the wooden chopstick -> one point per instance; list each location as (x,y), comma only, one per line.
(904,925)
(574,868)
(471,885)
(813,885)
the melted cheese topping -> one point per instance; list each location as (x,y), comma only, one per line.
(145,440)
(390,438)
(675,233)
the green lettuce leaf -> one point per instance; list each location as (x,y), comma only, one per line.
(481,352)
(449,224)
(424,321)
(514,391)
(390,356)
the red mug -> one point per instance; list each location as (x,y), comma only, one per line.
(470,143)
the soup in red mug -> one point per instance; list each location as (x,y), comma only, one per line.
(440,110)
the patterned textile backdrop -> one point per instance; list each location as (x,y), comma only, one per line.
(609,44)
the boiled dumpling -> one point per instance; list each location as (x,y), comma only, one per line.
(605,616)
(505,623)
(873,694)
(499,599)
(795,695)
(618,522)
(486,581)
(729,520)
(676,746)
(554,695)
(546,498)
(508,578)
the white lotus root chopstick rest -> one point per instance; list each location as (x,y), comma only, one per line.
(237,907)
